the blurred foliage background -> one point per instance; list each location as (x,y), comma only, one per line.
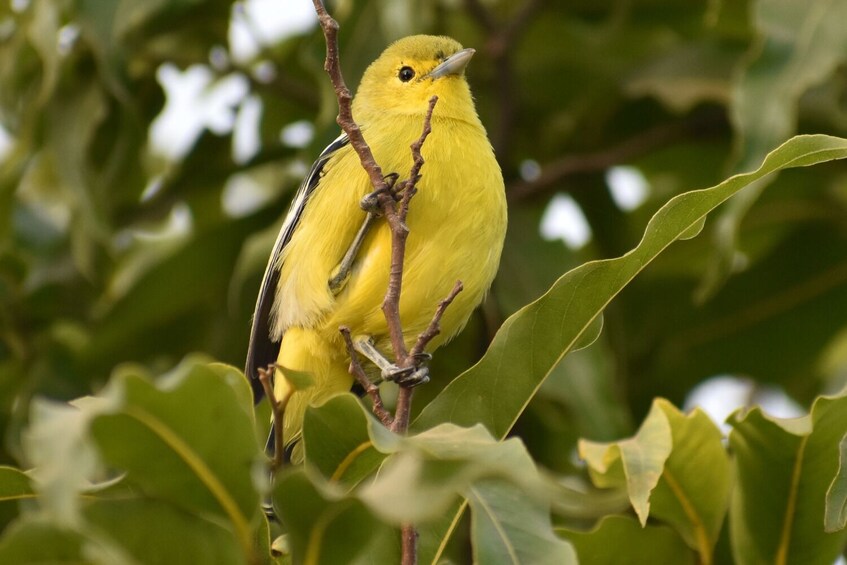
(146,162)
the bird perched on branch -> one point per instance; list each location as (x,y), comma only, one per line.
(457,223)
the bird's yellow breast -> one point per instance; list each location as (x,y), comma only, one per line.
(457,223)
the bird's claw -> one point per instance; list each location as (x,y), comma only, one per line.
(370,201)
(422,358)
(412,376)
(406,376)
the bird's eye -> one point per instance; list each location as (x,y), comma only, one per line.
(406,74)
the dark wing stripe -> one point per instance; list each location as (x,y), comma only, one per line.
(262,351)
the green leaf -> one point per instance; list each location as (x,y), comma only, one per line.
(325,525)
(152,531)
(15,487)
(337,439)
(507,526)
(693,492)
(34,542)
(427,473)
(530,343)
(675,468)
(14,484)
(636,463)
(836,495)
(168,438)
(784,468)
(424,478)
(620,540)
(298,380)
(799,46)
(423,482)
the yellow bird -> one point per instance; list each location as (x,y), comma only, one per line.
(457,224)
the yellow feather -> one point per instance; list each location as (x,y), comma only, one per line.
(457,223)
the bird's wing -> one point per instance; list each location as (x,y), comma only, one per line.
(262,350)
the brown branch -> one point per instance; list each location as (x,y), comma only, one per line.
(391,304)
(399,232)
(332,66)
(639,144)
(277,409)
(371,389)
(409,544)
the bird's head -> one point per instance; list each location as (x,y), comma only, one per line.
(412,70)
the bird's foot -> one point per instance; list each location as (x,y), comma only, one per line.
(415,374)
(406,376)
(370,202)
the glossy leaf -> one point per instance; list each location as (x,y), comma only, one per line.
(35,541)
(686,486)
(337,437)
(15,488)
(531,342)
(620,540)
(326,526)
(423,479)
(693,492)
(14,485)
(507,526)
(160,436)
(636,463)
(836,495)
(784,468)
(151,531)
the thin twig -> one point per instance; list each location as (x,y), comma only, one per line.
(371,389)
(277,409)
(434,327)
(404,398)
(399,233)
(408,187)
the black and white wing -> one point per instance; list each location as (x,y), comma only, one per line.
(262,351)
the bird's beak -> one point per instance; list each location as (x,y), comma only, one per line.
(453,65)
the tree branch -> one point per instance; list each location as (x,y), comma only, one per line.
(396,219)
(639,144)
(434,327)
(345,120)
